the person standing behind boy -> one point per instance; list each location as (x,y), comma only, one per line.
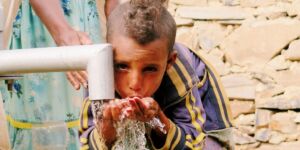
(156,78)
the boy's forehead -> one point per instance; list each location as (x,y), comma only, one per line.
(127,48)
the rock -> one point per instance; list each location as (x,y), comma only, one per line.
(290,99)
(293,52)
(295,8)
(247,146)
(218,64)
(241,107)
(218,53)
(271,12)
(277,138)
(210,35)
(244,120)
(256,3)
(213,13)
(231,2)
(262,117)
(295,67)
(256,43)
(172,8)
(263,134)
(287,78)
(239,86)
(297,118)
(264,77)
(240,138)
(250,130)
(283,122)
(183,21)
(283,146)
(188,37)
(279,63)
(238,69)
(292,136)
(190,2)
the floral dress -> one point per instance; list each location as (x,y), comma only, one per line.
(43,109)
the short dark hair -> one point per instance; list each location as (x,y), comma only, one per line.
(143,21)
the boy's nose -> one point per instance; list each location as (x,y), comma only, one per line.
(135,82)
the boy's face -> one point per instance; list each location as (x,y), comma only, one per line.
(139,69)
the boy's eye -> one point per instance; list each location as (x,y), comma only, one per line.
(121,66)
(150,69)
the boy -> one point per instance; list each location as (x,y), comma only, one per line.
(159,79)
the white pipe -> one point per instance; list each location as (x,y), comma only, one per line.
(96,59)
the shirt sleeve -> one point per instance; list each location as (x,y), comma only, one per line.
(203,109)
(187,119)
(89,137)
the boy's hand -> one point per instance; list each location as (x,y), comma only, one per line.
(142,109)
(111,112)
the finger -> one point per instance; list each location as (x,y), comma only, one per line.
(79,78)
(84,74)
(116,111)
(136,110)
(73,81)
(84,38)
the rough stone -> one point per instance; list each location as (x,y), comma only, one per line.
(256,3)
(277,138)
(293,52)
(292,136)
(212,13)
(290,99)
(183,21)
(271,12)
(245,120)
(239,86)
(279,63)
(287,78)
(297,118)
(190,2)
(210,35)
(283,122)
(295,67)
(231,2)
(241,138)
(188,37)
(241,107)
(283,146)
(218,64)
(250,130)
(238,69)
(295,8)
(257,43)
(247,146)
(263,134)
(262,117)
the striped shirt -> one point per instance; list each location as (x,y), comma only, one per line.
(192,98)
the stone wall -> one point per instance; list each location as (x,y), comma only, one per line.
(255,47)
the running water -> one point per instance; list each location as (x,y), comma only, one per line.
(130,133)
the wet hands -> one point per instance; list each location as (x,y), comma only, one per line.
(134,108)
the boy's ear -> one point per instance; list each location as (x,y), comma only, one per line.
(171,59)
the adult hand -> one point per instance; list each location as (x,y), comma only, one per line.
(72,37)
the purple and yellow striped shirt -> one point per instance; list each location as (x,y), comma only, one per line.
(190,95)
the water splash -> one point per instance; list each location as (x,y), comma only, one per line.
(130,133)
